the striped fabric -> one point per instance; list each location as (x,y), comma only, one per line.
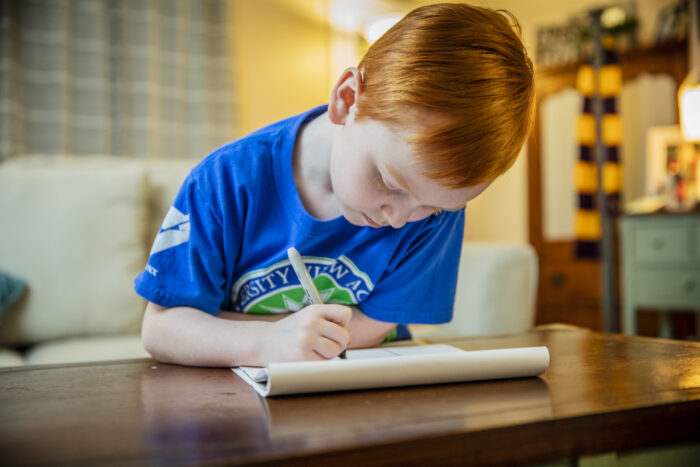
(142,78)
(608,83)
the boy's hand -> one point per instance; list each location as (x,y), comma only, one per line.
(316,332)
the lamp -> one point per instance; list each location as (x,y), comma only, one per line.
(689,106)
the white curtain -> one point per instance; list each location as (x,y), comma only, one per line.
(140,78)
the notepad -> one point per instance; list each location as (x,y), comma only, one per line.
(395,366)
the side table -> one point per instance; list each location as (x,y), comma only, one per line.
(660,266)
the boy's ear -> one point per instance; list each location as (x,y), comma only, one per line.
(344,95)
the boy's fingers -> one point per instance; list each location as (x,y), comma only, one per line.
(328,348)
(339,314)
(336,333)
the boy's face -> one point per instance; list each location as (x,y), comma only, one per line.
(377,183)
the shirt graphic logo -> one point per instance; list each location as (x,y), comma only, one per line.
(276,289)
(174,231)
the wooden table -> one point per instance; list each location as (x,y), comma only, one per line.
(601,393)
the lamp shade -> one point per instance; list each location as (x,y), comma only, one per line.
(689,106)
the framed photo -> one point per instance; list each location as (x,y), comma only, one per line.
(662,144)
(673,167)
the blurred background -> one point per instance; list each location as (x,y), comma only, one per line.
(162,79)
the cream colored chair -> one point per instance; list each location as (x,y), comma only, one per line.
(496,292)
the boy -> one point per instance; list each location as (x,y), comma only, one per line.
(370,189)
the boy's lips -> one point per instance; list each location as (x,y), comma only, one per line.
(371,223)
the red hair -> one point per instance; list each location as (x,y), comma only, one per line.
(466,67)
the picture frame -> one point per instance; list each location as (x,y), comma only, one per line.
(660,140)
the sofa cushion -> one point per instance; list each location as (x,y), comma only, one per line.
(497,286)
(87,349)
(73,228)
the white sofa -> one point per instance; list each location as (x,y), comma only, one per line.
(496,292)
(78,230)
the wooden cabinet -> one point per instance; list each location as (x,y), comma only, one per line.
(569,288)
(660,266)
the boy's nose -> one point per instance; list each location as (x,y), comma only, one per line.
(398,216)
(395,216)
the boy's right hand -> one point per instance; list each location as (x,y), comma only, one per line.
(317,332)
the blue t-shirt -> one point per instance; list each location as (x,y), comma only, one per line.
(223,244)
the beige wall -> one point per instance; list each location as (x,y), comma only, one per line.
(281,62)
(287,58)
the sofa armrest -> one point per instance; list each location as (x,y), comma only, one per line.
(496,291)
(75,234)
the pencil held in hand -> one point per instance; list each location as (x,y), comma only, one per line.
(306,282)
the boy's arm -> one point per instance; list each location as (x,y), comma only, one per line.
(189,336)
(364,331)
(367,332)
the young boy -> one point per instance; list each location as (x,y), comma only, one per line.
(370,189)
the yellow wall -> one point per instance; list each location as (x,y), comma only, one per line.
(281,62)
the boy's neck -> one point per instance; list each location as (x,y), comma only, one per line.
(311,168)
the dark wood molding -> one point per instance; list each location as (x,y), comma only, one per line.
(557,262)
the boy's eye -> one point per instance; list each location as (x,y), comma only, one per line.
(381,184)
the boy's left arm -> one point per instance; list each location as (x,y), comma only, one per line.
(367,332)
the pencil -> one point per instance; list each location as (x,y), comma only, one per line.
(306,282)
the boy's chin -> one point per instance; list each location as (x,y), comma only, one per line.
(355,218)
(355,221)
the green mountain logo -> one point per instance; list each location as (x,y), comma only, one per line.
(276,289)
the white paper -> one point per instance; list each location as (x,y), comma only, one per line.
(395,366)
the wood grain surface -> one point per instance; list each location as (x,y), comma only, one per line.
(601,393)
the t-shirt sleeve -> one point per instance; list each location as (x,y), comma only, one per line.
(186,266)
(419,286)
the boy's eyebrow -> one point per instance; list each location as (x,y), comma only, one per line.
(398,178)
(401,182)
